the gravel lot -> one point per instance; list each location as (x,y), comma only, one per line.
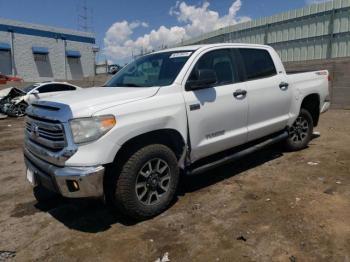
(270,206)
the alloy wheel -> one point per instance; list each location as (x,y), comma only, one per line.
(299,131)
(153,181)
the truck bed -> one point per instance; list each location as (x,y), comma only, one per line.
(293,72)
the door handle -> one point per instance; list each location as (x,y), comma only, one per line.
(284,86)
(240,94)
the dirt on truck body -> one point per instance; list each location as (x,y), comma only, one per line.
(270,206)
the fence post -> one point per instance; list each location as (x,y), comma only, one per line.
(330,34)
(267,29)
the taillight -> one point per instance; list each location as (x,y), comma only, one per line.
(324,73)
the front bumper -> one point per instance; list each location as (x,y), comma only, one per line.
(71,182)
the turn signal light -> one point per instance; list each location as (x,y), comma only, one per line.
(108,122)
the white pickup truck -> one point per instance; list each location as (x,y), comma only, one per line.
(184,110)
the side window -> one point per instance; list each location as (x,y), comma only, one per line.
(59,87)
(46,89)
(258,63)
(221,62)
(55,88)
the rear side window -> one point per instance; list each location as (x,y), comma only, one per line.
(258,63)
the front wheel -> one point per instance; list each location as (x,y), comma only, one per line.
(17,110)
(147,182)
(300,133)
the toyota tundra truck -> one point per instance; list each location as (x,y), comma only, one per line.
(178,111)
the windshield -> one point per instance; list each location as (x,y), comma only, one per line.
(29,88)
(159,69)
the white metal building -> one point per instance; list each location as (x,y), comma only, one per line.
(310,38)
(40,53)
(319,31)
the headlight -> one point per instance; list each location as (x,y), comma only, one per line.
(91,128)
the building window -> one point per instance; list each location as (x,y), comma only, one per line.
(40,57)
(5,62)
(73,60)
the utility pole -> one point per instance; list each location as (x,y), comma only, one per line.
(84,17)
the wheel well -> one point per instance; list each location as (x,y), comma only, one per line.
(312,104)
(168,137)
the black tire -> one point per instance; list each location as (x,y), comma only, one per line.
(301,132)
(17,110)
(125,194)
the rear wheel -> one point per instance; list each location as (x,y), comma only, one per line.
(147,182)
(300,132)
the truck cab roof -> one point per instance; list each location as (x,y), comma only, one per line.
(208,46)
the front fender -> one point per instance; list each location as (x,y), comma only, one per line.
(166,111)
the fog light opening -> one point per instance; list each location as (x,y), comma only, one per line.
(72,185)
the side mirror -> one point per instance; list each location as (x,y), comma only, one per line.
(205,78)
(35,92)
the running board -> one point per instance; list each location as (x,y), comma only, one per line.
(239,154)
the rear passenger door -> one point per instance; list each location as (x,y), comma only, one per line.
(217,115)
(269,101)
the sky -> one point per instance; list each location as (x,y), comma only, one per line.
(125,27)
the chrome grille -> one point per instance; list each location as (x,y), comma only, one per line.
(46,134)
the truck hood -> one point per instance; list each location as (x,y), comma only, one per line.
(85,102)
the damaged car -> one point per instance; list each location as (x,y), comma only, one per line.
(14,101)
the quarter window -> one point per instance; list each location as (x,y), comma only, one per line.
(258,63)
(220,61)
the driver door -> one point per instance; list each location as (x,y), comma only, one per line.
(217,114)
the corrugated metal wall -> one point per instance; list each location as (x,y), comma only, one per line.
(320,31)
(339,69)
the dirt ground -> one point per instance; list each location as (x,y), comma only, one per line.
(270,206)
